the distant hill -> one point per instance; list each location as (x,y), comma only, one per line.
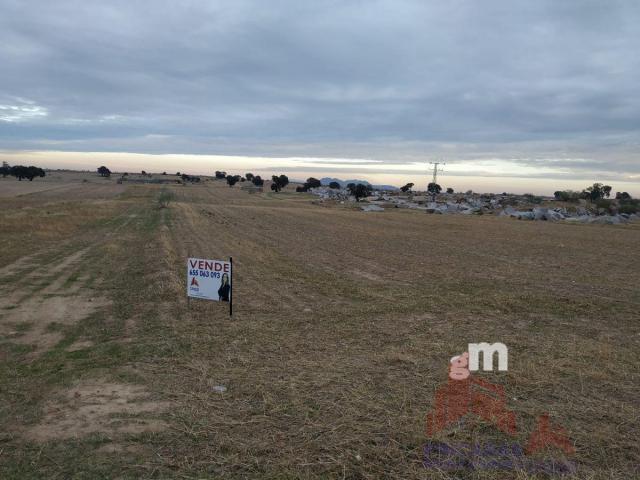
(344,183)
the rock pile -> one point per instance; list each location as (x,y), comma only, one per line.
(514,206)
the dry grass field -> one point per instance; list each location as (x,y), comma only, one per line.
(344,323)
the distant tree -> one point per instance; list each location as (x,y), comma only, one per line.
(164,173)
(257,181)
(312,183)
(623,196)
(360,190)
(450,190)
(279,182)
(300,188)
(232,180)
(596,192)
(104,171)
(434,188)
(19,171)
(406,188)
(567,195)
(220,175)
(5,170)
(31,172)
(177,174)
(189,178)
(334,185)
(242,179)
(249,176)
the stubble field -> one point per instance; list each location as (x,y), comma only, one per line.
(343,326)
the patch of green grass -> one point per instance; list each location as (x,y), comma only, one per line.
(22,326)
(54,327)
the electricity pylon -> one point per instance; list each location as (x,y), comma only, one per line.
(435,170)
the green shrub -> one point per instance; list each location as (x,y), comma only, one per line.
(529,197)
(165,198)
(629,206)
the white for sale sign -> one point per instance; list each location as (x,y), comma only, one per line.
(209,279)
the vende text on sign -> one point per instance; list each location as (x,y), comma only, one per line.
(209,279)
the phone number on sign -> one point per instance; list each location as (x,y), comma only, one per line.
(204,273)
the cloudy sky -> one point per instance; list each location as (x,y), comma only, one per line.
(511,94)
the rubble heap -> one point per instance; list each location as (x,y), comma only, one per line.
(515,206)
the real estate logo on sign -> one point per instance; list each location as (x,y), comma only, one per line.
(209,279)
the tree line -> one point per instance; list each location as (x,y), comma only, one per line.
(21,172)
(595,192)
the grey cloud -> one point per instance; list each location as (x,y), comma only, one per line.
(394,80)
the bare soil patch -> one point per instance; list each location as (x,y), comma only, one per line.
(98,407)
(39,314)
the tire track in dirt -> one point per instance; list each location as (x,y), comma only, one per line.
(45,294)
(263,274)
(307,243)
(51,266)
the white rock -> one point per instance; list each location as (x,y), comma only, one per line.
(372,208)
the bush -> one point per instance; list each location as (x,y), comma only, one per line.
(189,178)
(279,182)
(165,198)
(604,203)
(257,181)
(628,205)
(629,208)
(406,188)
(312,183)
(434,188)
(531,198)
(567,196)
(334,185)
(220,175)
(104,171)
(359,191)
(233,179)
(623,196)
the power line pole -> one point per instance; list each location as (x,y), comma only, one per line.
(435,177)
(435,170)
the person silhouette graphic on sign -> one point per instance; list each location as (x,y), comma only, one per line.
(225,288)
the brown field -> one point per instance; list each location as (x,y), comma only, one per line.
(343,326)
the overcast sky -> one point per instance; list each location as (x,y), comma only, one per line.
(529,89)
